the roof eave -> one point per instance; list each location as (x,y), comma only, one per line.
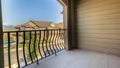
(34,23)
(63,2)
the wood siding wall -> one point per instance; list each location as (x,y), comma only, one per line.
(98,25)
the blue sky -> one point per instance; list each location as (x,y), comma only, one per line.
(17,12)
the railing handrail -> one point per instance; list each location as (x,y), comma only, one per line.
(31,30)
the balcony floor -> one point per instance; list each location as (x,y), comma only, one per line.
(79,59)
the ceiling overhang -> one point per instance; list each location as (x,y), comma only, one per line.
(63,2)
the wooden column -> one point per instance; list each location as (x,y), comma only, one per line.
(1,40)
(69,23)
(72,34)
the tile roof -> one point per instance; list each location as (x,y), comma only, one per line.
(24,25)
(41,24)
(27,25)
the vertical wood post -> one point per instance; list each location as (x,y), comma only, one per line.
(69,23)
(72,34)
(1,40)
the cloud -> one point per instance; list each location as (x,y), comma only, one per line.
(6,23)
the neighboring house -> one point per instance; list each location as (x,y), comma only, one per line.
(59,25)
(34,25)
(24,27)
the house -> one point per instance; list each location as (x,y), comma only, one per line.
(91,38)
(59,25)
(34,25)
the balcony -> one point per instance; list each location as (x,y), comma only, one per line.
(22,48)
(93,28)
(46,49)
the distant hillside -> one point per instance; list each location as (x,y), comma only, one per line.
(8,27)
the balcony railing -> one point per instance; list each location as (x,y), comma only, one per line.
(22,48)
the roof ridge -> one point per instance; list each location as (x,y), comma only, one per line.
(40,21)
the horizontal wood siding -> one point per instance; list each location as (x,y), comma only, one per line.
(98,25)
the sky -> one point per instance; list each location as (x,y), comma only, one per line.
(17,12)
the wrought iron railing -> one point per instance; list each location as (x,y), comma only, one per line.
(26,47)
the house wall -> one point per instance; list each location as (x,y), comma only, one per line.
(29,28)
(98,25)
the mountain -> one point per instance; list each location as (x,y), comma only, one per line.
(8,27)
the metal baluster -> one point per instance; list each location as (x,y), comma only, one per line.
(53,42)
(61,38)
(55,39)
(30,48)
(43,43)
(39,44)
(47,42)
(50,42)
(17,42)
(9,57)
(24,55)
(64,38)
(35,46)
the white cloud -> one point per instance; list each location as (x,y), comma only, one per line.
(6,23)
